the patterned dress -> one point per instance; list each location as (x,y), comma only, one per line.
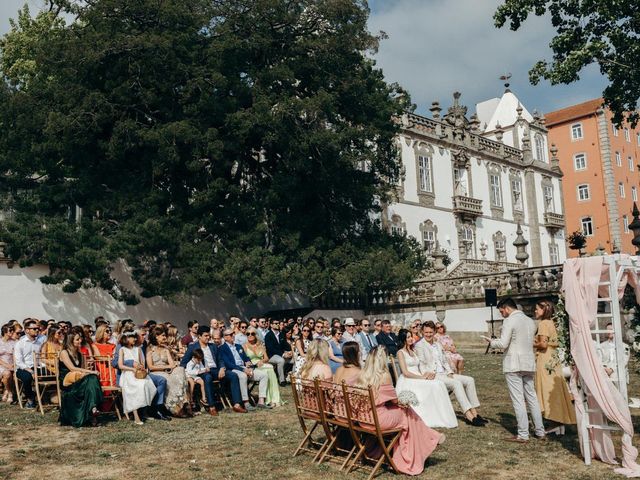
(176,395)
(6,354)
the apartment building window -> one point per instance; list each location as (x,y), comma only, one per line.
(425,175)
(547,191)
(580,161)
(630,160)
(576,131)
(634,194)
(496,194)
(627,136)
(621,189)
(618,159)
(625,222)
(615,130)
(583,192)
(587,226)
(554,254)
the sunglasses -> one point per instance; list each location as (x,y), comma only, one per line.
(366,325)
(228,334)
(306,330)
(251,334)
(243,327)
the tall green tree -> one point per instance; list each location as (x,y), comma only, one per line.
(244,145)
(602,32)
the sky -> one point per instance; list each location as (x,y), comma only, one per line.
(437,47)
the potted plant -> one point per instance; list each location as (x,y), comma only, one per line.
(577,241)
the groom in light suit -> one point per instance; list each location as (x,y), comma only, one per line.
(519,366)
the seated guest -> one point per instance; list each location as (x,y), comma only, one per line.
(160,361)
(318,329)
(350,370)
(435,407)
(52,348)
(417,441)
(300,348)
(234,359)
(367,339)
(214,325)
(241,336)
(23,352)
(176,347)
(335,352)
(8,340)
(195,369)
(606,351)
(257,353)
(456,361)
(215,371)
(216,338)
(317,363)
(279,351)
(138,389)
(192,334)
(80,388)
(433,361)
(102,347)
(387,338)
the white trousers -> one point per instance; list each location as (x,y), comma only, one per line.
(464,389)
(259,376)
(523,394)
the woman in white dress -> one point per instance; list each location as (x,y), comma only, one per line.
(136,392)
(435,407)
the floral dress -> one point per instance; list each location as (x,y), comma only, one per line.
(299,360)
(6,354)
(447,344)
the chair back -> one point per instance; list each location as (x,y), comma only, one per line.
(395,369)
(361,409)
(45,367)
(106,373)
(308,402)
(332,403)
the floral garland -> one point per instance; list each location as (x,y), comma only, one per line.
(562,355)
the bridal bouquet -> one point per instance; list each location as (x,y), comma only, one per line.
(408,399)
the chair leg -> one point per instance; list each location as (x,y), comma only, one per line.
(356,458)
(376,467)
(115,406)
(346,460)
(39,397)
(307,438)
(327,450)
(18,387)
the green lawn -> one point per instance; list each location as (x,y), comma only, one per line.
(259,445)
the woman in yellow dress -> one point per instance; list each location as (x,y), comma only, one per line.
(551,387)
(257,353)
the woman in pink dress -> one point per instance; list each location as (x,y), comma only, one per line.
(453,357)
(7,343)
(417,441)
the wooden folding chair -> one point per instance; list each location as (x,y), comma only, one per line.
(333,413)
(222,393)
(45,376)
(395,369)
(363,424)
(17,384)
(107,377)
(305,399)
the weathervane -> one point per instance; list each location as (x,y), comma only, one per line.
(505,79)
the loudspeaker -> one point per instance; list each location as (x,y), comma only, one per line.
(490,297)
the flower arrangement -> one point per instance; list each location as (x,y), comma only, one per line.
(408,399)
(562,355)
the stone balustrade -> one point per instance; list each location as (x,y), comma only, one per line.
(467,206)
(554,221)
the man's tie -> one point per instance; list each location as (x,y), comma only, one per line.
(366,335)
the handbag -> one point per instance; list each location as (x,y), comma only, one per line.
(141,374)
(71,378)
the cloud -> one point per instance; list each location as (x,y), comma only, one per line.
(436,47)
(9,9)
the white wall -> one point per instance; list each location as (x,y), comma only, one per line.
(22,295)
(458,320)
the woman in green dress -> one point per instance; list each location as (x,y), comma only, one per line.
(81,392)
(257,353)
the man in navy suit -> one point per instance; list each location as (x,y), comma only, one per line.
(278,351)
(216,371)
(234,359)
(387,338)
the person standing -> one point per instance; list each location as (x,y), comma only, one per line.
(519,366)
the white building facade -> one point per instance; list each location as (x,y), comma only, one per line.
(469,183)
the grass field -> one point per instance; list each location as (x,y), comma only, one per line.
(258,446)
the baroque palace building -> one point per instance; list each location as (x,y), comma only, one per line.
(602,175)
(475,186)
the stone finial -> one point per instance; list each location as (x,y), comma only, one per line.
(634,226)
(474,123)
(435,109)
(519,110)
(438,258)
(600,251)
(499,132)
(521,246)
(555,161)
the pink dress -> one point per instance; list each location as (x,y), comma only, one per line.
(416,442)
(447,342)
(6,354)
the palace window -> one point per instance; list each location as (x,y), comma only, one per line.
(397,227)
(547,192)
(630,161)
(615,130)
(539,144)
(425,174)
(516,193)
(500,246)
(625,223)
(554,254)
(627,136)
(496,194)
(634,194)
(621,189)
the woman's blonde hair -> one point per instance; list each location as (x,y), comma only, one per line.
(318,351)
(375,368)
(101,334)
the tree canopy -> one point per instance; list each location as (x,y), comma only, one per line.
(602,32)
(243,145)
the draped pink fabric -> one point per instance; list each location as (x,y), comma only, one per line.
(580,284)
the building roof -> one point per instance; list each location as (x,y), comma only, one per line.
(500,110)
(573,112)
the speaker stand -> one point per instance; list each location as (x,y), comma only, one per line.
(493,335)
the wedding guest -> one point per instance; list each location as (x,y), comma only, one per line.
(335,352)
(350,369)
(138,389)
(216,338)
(606,351)
(317,363)
(433,361)
(176,347)
(350,332)
(257,353)
(367,339)
(262,329)
(52,347)
(233,357)
(192,334)
(417,440)
(318,329)
(80,388)
(8,341)
(279,351)
(214,325)
(241,336)
(195,369)
(387,338)
(435,407)
(300,348)
(377,327)
(451,353)
(519,366)
(160,361)
(551,388)
(23,352)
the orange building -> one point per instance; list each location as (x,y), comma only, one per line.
(601,174)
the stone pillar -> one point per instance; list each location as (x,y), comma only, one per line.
(532,202)
(610,190)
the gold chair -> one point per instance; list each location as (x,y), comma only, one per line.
(45,376)
(305,399)
(108,381)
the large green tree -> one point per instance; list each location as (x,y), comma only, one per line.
(244,145)
(602,32)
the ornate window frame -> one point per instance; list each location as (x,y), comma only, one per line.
(546,184)
(497,208)
(517,198)
(426,198)
(500,246)
(397,226)
(466,239)
(540,147)
(428,229)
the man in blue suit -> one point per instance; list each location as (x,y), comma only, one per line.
(367,339)
(234,359)
(216,371)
